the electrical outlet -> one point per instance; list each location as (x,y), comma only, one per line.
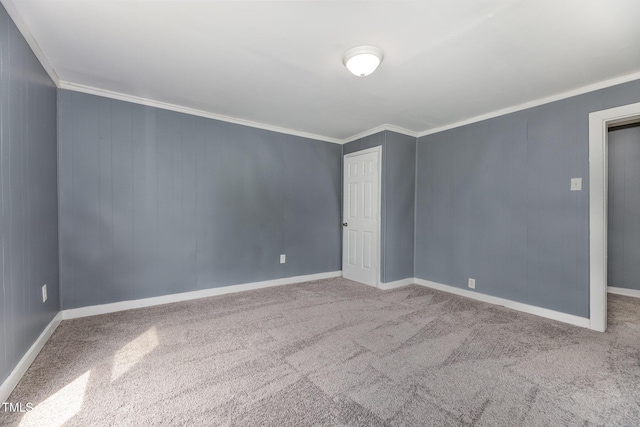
(44,293)
(576,184)
(472,283)
(283,259)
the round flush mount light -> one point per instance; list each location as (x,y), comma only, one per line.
(362,60)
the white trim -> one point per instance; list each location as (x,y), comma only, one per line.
(94,310)
(377,148)
(571,319)
(599,121)
(530,104)
(91,90)
(378,255)
(16,375)
(393,128)
(191,111)
(397,284)
(623,291)
(378,129)
(31,41)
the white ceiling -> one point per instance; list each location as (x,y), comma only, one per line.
(280,63)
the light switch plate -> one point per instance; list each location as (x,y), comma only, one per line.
(576,184)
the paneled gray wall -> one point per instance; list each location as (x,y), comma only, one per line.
(397,201)
(28,196)
(493,203)
(399,207)
(155,202)
(623,235)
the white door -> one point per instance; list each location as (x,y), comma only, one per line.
(361,217)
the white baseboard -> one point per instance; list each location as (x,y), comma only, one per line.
(93,310)
(397,284)
(526,308)
(623,291)
(16,375)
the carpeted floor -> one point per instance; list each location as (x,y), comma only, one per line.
(331,353)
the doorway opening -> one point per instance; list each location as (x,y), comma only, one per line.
(623,210)
(599,124)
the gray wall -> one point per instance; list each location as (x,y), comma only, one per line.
(623,235)
(397,201)
(493,203)
(399,207)
(154,202)
(28,196)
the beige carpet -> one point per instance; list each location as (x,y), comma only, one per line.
(331,353)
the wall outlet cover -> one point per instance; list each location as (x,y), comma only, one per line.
(472,283)
(44,293)
(283,259)
(576,184)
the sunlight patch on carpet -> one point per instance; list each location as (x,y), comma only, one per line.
(60,407)
(132,353)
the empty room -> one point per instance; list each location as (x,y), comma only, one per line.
(320,213)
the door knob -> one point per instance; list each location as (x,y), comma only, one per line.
(344,224)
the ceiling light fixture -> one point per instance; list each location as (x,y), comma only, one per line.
(362,60)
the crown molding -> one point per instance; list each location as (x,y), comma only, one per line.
(381,128)
(535,103)
(541,101)
(403,131)
(31,41)
(91,90)
(182,109)
(364,134)
(192,111)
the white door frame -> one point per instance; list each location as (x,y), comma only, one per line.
(599,123)
(378,254)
